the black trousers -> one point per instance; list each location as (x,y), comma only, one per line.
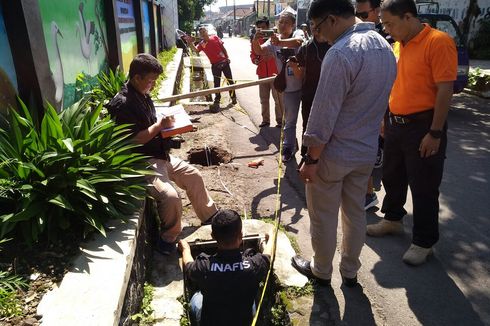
(217,69)
(403,167)
(306,103)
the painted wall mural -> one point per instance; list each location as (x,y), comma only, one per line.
(75,36)
(8,79)
(127,31)
(146,25)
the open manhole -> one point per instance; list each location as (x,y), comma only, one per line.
(208,155)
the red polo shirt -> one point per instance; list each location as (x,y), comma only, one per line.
(213,49)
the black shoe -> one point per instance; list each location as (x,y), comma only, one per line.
(348,281)
(214,108)
(279,125)
(164,247)
(303,266)
(209,220)
(287,154)
(264,124)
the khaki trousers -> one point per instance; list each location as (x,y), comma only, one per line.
(264,93)
(337,186)
(169,204)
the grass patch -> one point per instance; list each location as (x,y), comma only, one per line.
(145,316)
(164,58)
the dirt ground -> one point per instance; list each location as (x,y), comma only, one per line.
(232,184)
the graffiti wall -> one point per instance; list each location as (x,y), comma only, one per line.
(127,31)
(8,80)
(146,25)
(75,36)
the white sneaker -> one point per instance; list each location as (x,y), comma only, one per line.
(384,227)
(416,255)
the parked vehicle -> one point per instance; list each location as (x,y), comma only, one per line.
(428,13)
(210,27)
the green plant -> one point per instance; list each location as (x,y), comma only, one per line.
(9,285)
(477,79)
(145,316)
(101,88)
(74,169)
(164,58)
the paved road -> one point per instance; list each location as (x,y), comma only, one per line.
(453,288)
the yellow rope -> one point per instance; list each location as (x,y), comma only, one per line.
(277,219)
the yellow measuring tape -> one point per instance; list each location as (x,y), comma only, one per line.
(277,219)
(277,213)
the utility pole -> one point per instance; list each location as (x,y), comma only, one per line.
(234,16)
(269,8)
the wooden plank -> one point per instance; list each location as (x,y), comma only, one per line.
(209,91)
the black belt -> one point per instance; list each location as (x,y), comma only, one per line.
(406,119)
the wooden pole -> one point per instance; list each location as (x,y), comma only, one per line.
(209,91)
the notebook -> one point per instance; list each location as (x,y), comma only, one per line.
(182,123)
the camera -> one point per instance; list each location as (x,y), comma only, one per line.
(267,32)
(284,54)
(175,142)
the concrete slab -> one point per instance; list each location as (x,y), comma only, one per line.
(92,293)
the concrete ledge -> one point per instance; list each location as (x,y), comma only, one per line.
(173,71)
(477,93)
(93,292)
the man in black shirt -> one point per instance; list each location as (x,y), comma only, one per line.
(133,105)
(228,281)
(307,66)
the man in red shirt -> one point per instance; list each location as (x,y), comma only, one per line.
(213,47)
(266,67)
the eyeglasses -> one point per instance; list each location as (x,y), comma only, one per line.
(317,27)
(363,14)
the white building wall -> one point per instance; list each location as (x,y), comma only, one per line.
(457,10)
(170,20)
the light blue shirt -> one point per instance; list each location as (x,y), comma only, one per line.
(357,74)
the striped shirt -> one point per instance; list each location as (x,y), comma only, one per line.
(357,74)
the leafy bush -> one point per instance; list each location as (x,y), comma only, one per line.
(478,80)
(9,285)
(74,169)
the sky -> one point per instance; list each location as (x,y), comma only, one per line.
(221,3)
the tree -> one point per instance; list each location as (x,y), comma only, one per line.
(471,14)
(189,11)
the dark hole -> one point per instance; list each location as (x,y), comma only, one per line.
(208,156)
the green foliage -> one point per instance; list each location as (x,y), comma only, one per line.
(145,316)
(184,318)
(164,58)
(73,170)
(103,88)
(189,11)
(481,42)
(478,80)
(9,285)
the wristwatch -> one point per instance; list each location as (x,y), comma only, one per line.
(437,134)
(309,160)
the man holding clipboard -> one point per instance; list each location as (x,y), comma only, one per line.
(133,105)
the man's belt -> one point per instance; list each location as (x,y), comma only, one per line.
(406,119)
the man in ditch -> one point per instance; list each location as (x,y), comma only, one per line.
(228,281)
